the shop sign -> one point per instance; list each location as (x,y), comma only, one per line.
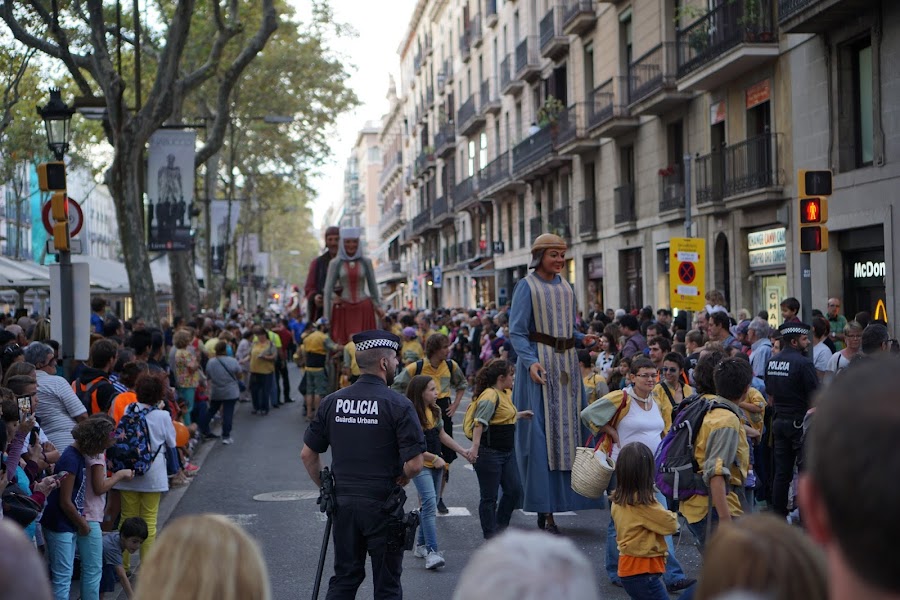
(759,93)
(767,248)
(437,277)
(717,113)
(595,268)
(867,269)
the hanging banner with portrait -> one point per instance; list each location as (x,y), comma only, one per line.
(222,231)
(170,190)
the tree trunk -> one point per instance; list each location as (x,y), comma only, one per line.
(185,290)
(123,179)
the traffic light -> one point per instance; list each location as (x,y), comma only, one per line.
(51,176)
(814,187)
(59,216)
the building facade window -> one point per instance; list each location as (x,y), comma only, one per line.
(855,104)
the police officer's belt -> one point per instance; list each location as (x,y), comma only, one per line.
(558,344)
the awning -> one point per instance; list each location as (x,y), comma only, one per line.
(484,269)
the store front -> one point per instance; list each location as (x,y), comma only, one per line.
(767,254)
(864,269)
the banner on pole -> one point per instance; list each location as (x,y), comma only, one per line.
(170,189)
(687,273)
(221,232)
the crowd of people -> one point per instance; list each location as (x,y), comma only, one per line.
(88,454)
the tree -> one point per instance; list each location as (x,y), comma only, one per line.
(80,36)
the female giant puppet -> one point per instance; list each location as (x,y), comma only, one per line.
(548,382)
(351,292)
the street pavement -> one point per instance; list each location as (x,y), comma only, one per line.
(265,458)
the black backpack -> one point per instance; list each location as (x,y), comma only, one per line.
(677,475)
(420,364)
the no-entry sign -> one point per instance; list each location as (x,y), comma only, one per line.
(687,265)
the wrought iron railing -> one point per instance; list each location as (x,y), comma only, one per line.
(494,172)
(506,74)
(532,149)
(464,192)
(421,220)
(751,165)
(653,71)
(527,56)
(788,8)
(601,104)
(551,26)
(571,124)
(731,23)
(671,188)
(536,226)
(444,137)
(559,222)
(466,112)
(587,213)
(625,206)
(710,173)
(439,208)
(575,8)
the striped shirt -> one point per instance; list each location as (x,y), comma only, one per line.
(57,408)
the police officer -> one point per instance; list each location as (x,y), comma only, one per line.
(790,381)
(377,444)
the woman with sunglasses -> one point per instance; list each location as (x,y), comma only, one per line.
(671,389)
(632,415)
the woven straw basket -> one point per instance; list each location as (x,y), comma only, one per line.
(590,477)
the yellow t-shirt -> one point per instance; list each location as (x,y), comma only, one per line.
(350,359)
(755,420)
(722,433)
(432,421)
(591,384)
(486,413)
(640,533)
(411,351)
(259,365)
(315,343)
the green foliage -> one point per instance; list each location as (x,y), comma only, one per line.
(549,112)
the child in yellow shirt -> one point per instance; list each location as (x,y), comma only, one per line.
(411,350)
(641,524)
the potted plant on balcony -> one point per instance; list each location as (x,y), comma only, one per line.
(686,17)
(548,114)
(753,22)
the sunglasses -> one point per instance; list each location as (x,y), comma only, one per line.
(11,349)
(668,370)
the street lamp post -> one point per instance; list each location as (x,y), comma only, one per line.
(57,116)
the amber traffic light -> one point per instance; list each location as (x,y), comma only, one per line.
(59,216)
(813,187)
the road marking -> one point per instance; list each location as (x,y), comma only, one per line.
(286,496)
(469,467)
(568,513)
(456,511)
(242,520)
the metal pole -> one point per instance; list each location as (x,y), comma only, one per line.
(805,287)
(688,224)
(67,317)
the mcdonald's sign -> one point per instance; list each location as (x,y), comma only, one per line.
(880,313)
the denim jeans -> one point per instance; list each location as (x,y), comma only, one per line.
(674,572)
(645,587)
(187,396)
(261,390)
(428,486)
(497,470)
(90,549)
(61,559)
(227,414)
(699,528)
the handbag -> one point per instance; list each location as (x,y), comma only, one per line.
(19,506)
(593,469)
(241,385)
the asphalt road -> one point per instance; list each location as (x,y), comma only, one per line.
(265,458)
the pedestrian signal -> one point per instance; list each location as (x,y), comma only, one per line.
(813,238)
(814,187)
(51,176)
(815,183)
(813,210)
(59,215)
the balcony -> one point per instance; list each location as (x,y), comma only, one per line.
(449,255)
(528,61)
(389,271)
(652,85)
(429,96)
(572,130)
(475,34)
(608,114)
(490,15)
(495,177)
(536,226)
(468,119)
(490,98)
(508,82)
(534,155)
(465,46)
(743,173)
(579,17)
(464,194)
(406,235)
(391,163)
(724,44)
(819,16)
(425,161)
(587,221)
(440,211)
(391,219)
(445,140)
(559,222)
(671,190)
(626,211)
(554,43)
(417,63)
(421,221)
(465,251)
(445,74)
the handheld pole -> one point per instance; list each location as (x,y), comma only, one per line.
(326,503)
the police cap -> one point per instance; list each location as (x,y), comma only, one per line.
(794,328)
(376,338)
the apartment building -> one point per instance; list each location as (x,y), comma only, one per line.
(520,117)
(845,103)
(19,209)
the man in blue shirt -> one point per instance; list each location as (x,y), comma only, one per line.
(98,314)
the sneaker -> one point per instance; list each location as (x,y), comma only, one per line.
(442,508)
(434,560)
(191,468)
(681,585)
(227,441)
(420,551)
(210,436)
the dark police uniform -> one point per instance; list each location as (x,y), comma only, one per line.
(791,380)
(372,431)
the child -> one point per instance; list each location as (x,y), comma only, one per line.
(96,432)
(594,383)
(411,350)
(641,524)
(789,309)
(128,539)
(314,355)
(422,392)
(495,427)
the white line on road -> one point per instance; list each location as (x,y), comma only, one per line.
(456,511)
(242,520)
(568,513)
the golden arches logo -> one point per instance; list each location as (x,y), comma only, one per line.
(881,311)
